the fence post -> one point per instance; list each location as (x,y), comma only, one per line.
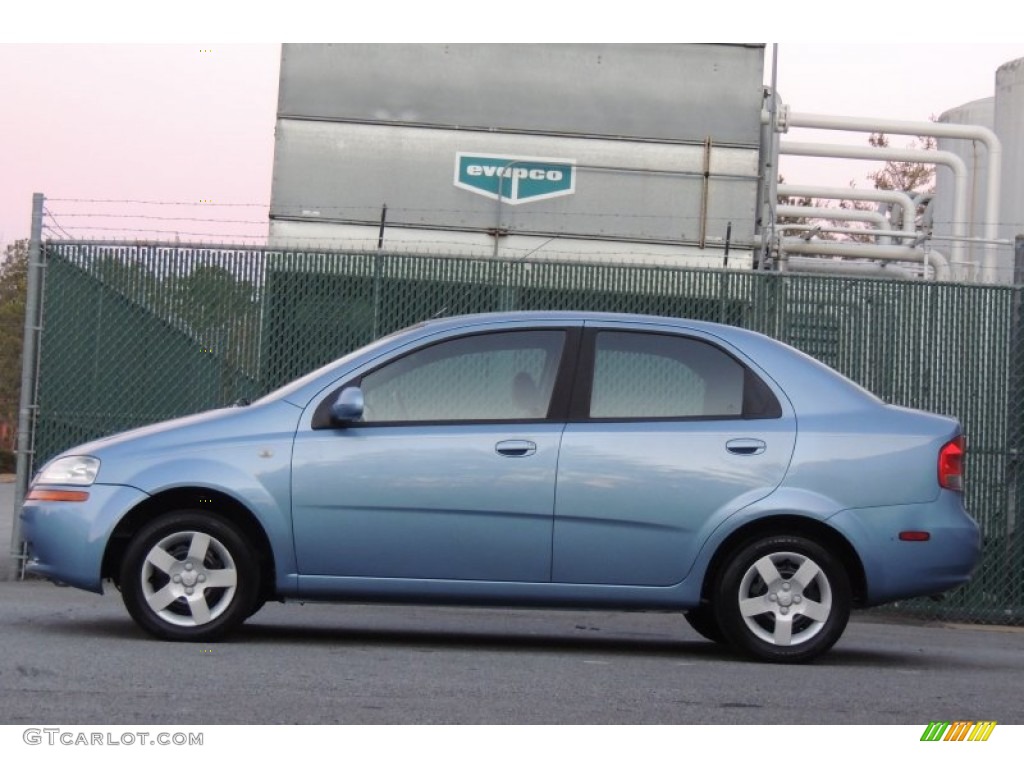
(377,267)
(26,401)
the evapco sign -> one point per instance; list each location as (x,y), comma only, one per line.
(514,179)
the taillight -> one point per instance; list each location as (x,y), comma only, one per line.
(951,464)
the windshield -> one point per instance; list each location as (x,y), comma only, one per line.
(282,393)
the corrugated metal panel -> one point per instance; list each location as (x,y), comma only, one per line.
(670,92)
(633,191)
(398,240)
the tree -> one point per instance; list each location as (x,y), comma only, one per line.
(908,176)
(13,289)
(221,312)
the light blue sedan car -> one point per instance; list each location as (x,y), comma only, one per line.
(527,459)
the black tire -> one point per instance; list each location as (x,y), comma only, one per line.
(802,618)
(189,576)
(704,623)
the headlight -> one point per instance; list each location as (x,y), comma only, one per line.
(71,470)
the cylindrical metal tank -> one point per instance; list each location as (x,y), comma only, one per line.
(979,112)
(1009,127)
(1004,114)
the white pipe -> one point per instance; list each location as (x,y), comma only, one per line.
(838,214)
(937,156)
(981,240)
(876,233)
(931,156)
(859,251)
(927,199)
(965,270)
(785,118)
(846,193)
(810,264)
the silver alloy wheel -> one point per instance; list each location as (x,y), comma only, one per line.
(189,578)
(785,598)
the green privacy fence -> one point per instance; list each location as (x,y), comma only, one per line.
(134,334)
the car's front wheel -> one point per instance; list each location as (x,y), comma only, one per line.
(189,576)
(783,598)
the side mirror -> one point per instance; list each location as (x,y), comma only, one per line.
(349,405)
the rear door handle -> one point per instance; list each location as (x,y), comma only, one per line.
(745,446)
(516,448)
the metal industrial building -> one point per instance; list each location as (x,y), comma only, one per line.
(645,150)
(628,153)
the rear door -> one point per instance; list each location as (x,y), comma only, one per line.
(669,433)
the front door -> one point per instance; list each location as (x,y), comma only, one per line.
(451,472)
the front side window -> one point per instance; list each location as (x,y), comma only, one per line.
(655,376)
(487,377)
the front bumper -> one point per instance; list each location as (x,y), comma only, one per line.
(66,540)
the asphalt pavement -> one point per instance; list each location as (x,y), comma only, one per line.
(75,657)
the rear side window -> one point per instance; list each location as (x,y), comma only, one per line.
(656,376)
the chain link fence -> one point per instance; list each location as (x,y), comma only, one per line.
(134,334)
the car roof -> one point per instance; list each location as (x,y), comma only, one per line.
(795,372)
(569,316)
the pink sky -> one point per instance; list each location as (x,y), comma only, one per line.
(186,124)
(902,82)
(138,122)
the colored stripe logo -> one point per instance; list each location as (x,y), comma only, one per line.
(958,730)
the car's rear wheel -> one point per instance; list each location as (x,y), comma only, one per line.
(704,623)
(783,599)
(189,576)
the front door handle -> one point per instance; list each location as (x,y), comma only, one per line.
(516,448)
(745,446)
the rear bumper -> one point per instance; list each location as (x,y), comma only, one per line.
(66,540)
(900,569)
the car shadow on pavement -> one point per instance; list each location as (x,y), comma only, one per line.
(583,640)
(586,641)
(425,640)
